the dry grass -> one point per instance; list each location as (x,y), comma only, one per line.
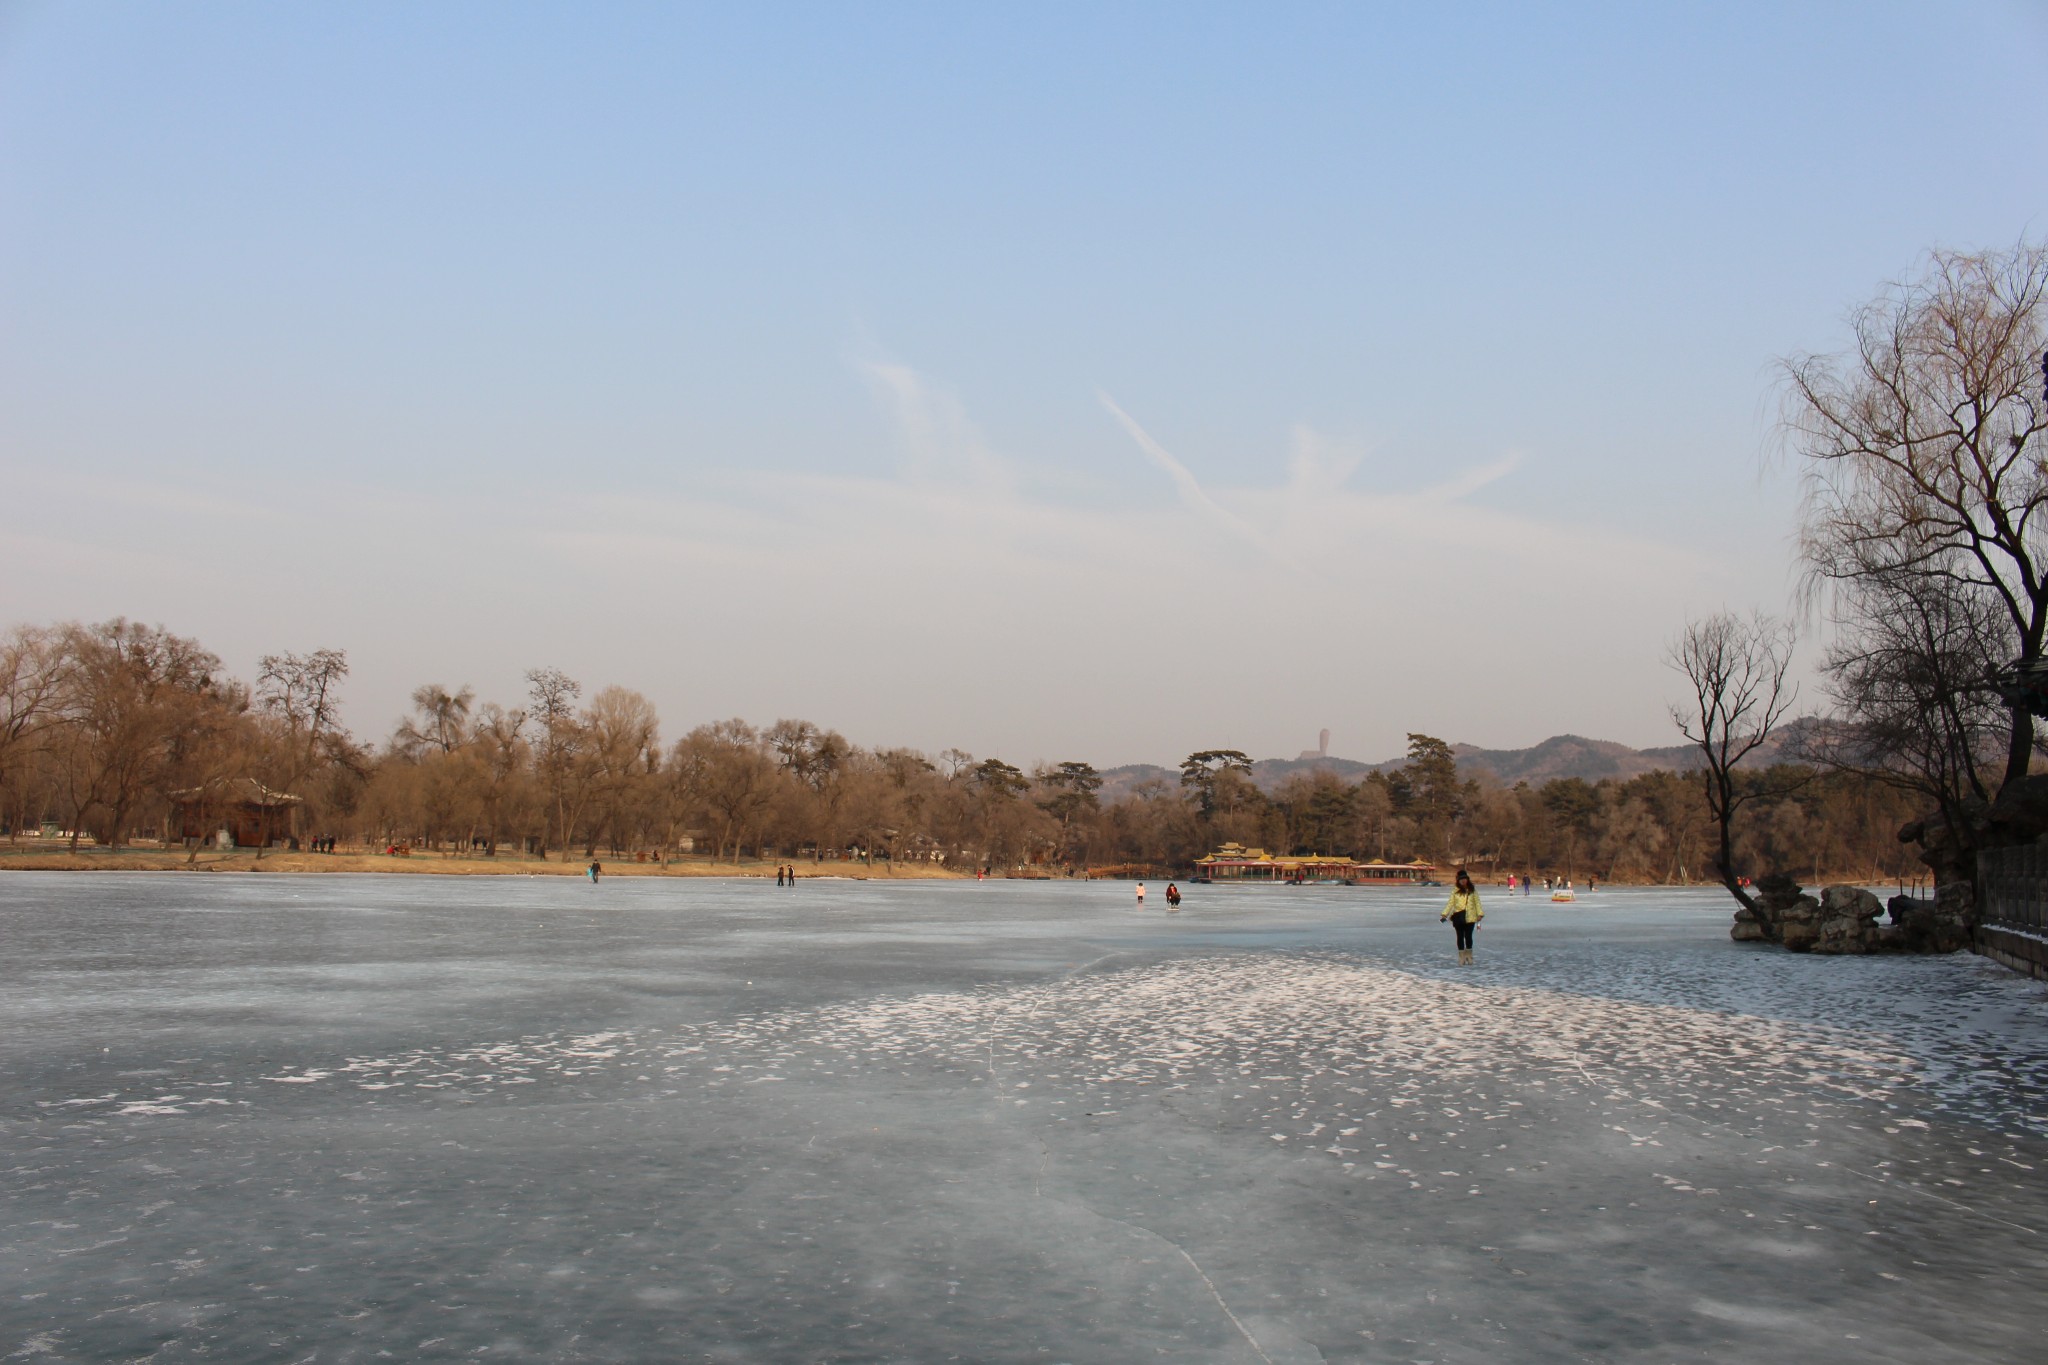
(430,864)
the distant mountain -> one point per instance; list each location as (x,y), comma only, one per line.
(1593,759)
(1118,783)
(1571,756)
(1556,757)
(1269,773)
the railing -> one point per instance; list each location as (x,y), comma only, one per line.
(2012,887)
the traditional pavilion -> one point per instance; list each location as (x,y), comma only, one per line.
(250,814)
(1236,863)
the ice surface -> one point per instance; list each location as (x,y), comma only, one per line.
(360,1118)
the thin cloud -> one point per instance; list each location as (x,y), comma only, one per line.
(939,440)
(1317,468)
(1472,480)
(1192,494)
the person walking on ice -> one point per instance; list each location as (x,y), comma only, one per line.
(1141,894)
(1464,914)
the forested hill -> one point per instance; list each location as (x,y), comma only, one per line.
(1592,759)
(1556,757)
(1573,756)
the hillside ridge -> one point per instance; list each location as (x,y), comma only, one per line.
(1559,756)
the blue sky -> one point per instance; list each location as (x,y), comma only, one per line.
(1050,381)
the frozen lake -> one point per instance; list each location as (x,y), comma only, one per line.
(323,1119)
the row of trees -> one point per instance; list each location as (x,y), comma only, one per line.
(104,725)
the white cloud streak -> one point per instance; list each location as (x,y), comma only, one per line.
(1192,495)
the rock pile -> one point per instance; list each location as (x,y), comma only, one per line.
(1941,925)
(1844,919)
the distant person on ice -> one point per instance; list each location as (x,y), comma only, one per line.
(595,870)
(1464,914)
(1141,893)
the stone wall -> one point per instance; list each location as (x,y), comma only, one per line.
(2020,952)
(2012,904)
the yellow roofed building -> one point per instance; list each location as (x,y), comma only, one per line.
(1236,863)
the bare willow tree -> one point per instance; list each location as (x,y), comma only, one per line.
(1925,478)
(443,719)
(624,752)
(1738,669)
(1911,710)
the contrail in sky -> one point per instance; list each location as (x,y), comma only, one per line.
(1191,491)
(1472,480)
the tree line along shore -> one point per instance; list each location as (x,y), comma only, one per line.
(127,745)
(24,856)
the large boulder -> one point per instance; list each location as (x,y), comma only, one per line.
(1782,915)
(1776,890)
(1848,921)
(1799,925)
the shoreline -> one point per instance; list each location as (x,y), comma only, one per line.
(435,865)
(518,865)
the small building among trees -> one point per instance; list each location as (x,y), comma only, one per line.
(1235,863)
(250,814)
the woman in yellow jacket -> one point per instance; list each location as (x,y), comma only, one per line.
(1464,914)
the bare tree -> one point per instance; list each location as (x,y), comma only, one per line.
(1737,667)
(625,753)
(32,672)
(1924,465)
(442,718)
(809,753)
(679,791)
(302,692)
(737,775)
(879,809)
(553,713)
(502,757)
(815,758)
(1907,674)
(895,802)
(134,699)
